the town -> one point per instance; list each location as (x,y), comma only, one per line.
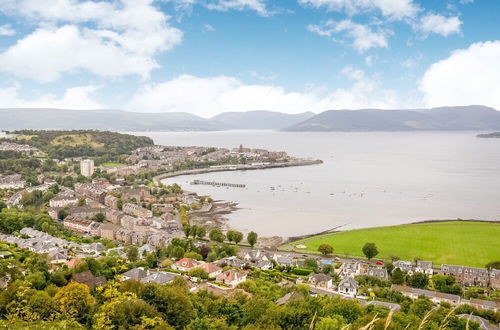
(102,224)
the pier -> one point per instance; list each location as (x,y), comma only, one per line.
(219,184)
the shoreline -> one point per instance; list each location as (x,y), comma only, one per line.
(226,168)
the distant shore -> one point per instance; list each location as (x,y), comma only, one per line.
(226,168)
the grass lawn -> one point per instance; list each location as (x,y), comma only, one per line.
(110,164)
(459,243)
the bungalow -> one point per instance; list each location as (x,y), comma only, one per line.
(348,286)
(93,248)
(436,297)
(212,269)
(136,274)
(232,261)
(485,304)
(159,277)
(185,264)
(232,277)
(321,281)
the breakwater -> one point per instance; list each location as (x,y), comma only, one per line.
(218,184)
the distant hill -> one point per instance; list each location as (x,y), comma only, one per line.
(113,120)
(261,119)
(494,135)
(445,118)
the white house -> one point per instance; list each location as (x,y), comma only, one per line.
(348,286)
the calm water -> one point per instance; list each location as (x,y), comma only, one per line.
(367,179)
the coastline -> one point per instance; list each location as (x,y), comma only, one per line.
(301,162)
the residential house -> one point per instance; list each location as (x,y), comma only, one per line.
(424,267)
(58,256)
(404,266)
(123,234)
(159,277)
(467,276)
(232,261)
(436,297)
(212,269)
(139,238)
(136,274)
(495,279)
(348,286)
(136,210)
(63,200)
(107,230)
(322,281)
(186,264)
(93,248)
(232,277)
(93,191)
(114,216)
(78,224)
(12,182)
(351,269)
(380,273)
(111,201)
(485,304)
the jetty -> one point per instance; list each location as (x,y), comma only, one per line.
(218,184)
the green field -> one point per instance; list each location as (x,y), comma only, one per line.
(109,164)
(459,243)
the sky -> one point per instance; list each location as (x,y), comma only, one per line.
(212,56)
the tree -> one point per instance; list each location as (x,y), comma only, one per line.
(201,232)
(82,201)
(74,301)
(370,250)
(198,272)
(133,253)
(418,280)
(237,237)
(172,301)
(217,235)
(186,229)
(310,263)
(193,255)
(397,276)
(333,322)
(252,238)
(99,217)
(325,249)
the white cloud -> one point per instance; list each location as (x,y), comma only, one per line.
(391,9)
(434,23)
(7,30)
(467,76)
(208,28)
(209,96)
(259,6)
(46,54)
(363,36)
(73,98)
(128,32)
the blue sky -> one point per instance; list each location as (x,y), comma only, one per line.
(210,56)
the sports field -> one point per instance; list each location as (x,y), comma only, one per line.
(459,243)
(111,164)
